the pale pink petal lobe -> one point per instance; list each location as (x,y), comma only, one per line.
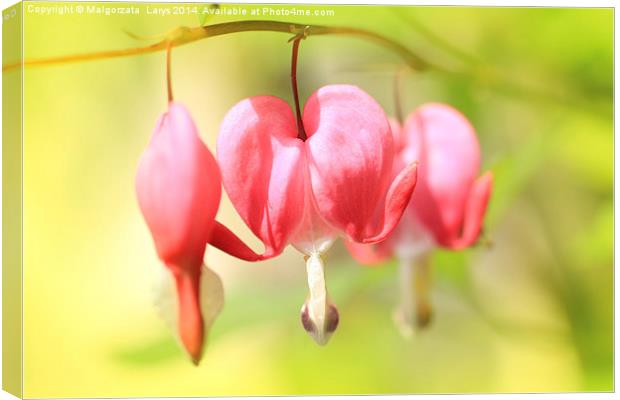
(475,210)
(350,155)
(262,165)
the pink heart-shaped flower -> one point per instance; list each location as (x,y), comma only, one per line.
(449,203)
(447,208)
(450,200)
(337,182)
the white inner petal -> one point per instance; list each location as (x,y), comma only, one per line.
(317,303)
(211,298)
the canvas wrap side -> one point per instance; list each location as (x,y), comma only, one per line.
(12,24)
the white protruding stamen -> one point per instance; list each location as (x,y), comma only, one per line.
(404,315)
(319,316)
(317,303)
(414,310)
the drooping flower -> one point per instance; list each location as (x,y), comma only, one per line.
(306,193)
(178,187)
(448,207)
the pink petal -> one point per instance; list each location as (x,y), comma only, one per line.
(190,322)
(396,202)
(449,158)
(178,189)
(225,240)
(350,155)
(475,209)
(262,164)
(369,254)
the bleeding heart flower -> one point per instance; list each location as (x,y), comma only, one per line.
(448,206)
(179,188)
(337,182)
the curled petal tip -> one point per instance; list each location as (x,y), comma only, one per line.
(475,210)
(397,199)
(225,240)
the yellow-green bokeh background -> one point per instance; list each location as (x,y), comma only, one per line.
(533,313)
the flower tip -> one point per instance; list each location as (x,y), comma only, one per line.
(424,317)
(190,321)
(193,348)
(403,324)
(408,325)
(196,360)
(320,332)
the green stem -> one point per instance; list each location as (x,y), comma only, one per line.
(184,35)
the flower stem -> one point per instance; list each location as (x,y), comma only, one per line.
(398,106)
(301,133)
(184,35)
(168,72)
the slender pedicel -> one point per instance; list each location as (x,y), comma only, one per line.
(301,133)
(169,71)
